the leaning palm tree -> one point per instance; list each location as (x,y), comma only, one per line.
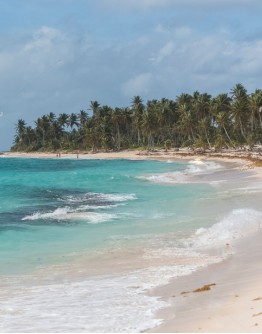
(222,121)
(204,129)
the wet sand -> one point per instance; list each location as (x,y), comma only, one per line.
(233,303)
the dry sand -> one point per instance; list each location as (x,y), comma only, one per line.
(231,300)
(233,303)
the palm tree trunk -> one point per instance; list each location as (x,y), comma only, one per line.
(228,137)
(207,139)
(241,128)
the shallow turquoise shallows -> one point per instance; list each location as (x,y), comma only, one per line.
(51,208)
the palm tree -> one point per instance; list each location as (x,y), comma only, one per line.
(222,121)
(94,106)
(20,128)
(42,125)
(201,105)
(29,135)
(138,109)
(149,126)
(196,119)
(204,129)
(51,117)
(91,136)
(186,126)
(73,120)
(117,119)
(83,117)
(63,119)
(240,108)
(255,103)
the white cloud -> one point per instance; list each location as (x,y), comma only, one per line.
(248,57)
(48,48)
(44,38)
(164,52)
(138,85)
(160,29)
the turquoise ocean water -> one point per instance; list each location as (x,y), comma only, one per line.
(132,223)
(53,207)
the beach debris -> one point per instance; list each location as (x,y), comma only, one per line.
(258,298)
(255,315)
(205,288)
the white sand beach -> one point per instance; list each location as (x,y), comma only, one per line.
(233,303)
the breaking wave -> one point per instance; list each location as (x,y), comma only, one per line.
(239,223)
(83,207)
(97,197)
(195,167)
(63,214)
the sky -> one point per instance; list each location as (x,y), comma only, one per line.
(58,55)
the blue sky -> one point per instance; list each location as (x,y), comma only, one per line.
(58,55)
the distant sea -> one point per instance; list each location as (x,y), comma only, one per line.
(83,241)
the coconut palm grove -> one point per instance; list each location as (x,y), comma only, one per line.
(200,121)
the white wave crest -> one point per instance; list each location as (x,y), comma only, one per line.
(172,177)
(98,207)
(199,166)
(195,167)
(98,196)
(239,223)
(59,213)
(116,197)
(68,214)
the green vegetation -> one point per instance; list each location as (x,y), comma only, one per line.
(199,121)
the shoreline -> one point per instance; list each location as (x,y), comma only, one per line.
(234,302)
(231,301)
(252,158)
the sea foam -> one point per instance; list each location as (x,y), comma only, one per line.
(194,167)
(237,224)
(68,214)
(101,197)
(101,304)
(78,206)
